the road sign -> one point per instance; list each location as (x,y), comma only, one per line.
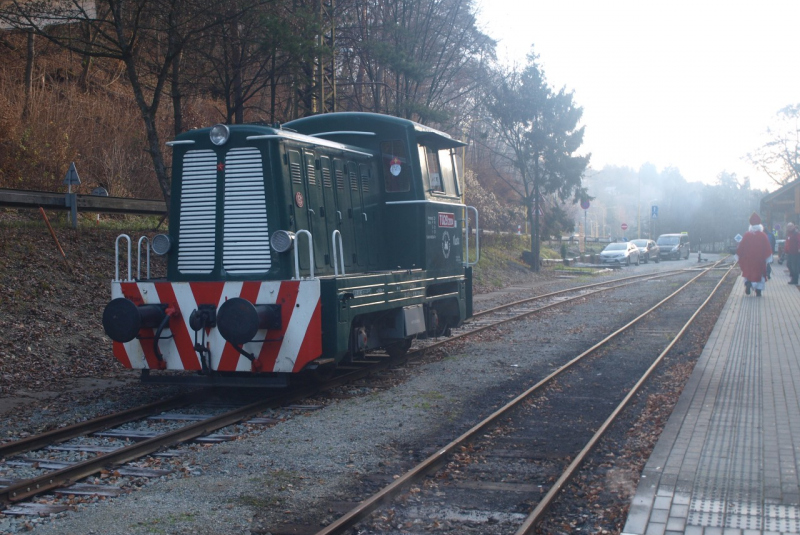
(738,238)
(72,178)
(624,226)
(654,212)
(585,205)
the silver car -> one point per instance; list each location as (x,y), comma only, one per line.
(648,250)
(620,253)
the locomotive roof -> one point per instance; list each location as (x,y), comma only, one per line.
(365,123)
(257,131)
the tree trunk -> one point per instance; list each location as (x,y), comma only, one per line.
(29,61)
(153,141)
(535,241)
(177,108)
(238,91)
(86,63)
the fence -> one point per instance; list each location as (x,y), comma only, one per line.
(74,202)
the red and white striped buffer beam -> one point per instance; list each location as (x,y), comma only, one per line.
(288,349)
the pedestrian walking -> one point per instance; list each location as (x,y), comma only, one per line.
(753,252)
(792,248)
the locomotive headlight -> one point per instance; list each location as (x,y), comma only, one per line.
(219,134)
(282,240)
(162,244)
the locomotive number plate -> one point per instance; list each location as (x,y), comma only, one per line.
(447,220)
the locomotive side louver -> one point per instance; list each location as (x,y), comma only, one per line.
(297,172)
(198,207)
(245,233)
(326,177)
(353,181)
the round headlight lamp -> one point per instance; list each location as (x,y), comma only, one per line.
(282,240)
(219,134)
(162,244)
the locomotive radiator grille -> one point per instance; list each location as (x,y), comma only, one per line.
(245,231)
(197,212)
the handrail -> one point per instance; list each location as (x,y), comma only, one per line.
(310,254)
(139,257)
(334,234)
(116,257)
(477,238)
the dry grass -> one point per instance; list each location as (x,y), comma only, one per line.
(98,127)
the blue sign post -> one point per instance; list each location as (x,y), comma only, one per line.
(72,179)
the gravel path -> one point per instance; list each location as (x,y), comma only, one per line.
(273,477)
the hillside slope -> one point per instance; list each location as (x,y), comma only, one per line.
(51,308)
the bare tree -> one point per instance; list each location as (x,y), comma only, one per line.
(418,59)
(258,50)
(779,157)
(146,36)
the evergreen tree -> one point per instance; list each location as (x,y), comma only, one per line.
(536,137)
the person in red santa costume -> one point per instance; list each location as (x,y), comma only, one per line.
(753,252)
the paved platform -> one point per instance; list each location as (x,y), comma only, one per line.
(727,462)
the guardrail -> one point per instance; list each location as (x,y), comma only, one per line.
(74,202)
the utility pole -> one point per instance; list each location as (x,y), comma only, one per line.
(639,208)
(326,59)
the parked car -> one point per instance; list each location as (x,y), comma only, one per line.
(620,253)
(674,246)
(648,250)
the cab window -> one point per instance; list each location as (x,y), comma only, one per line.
(447,163)
(440,167)
(396,169)
(456,158)
(434,170)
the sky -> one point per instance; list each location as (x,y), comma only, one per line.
(686,84)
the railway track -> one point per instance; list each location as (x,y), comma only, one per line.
(522,308)
(15,491)
(494,475)
(130,443)
(137,443)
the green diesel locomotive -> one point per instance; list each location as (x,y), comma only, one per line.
(299,247)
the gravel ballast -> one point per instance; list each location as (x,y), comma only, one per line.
(274,477)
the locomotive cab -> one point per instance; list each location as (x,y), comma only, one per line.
(423,215)
(424,220)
